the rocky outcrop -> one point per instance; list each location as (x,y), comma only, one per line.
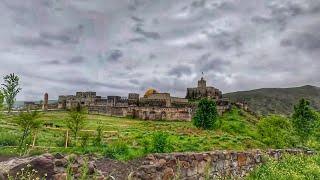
(208,165)
(50,167)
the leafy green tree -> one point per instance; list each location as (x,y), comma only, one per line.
(304,119)
(76,121)
(206,114)
(276,132)
(29,123)
(1,103)
(10,90)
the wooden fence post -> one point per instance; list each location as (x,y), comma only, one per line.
(34,140)
(67,138)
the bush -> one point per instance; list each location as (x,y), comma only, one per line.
(99,136)
(304,119)
(84,140)
(8,140)
(117,150)
(160,143)
(276,131)
(206,114)
(289,167)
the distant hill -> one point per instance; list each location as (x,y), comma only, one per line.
(276,100)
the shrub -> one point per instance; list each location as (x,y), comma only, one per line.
(84,140)
(304,119)
(8,140)
(117,150)
(289,167)
(276,131)
(76,121)
(160,142)
(206,114)
(99,135)
(29,124)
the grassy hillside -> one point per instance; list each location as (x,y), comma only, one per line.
(237,131)
(277,100)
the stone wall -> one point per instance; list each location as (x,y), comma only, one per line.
(151,113)
(217,164)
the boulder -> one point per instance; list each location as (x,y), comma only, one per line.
(60,176)
(43,165)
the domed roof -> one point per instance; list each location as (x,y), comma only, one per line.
(149,92)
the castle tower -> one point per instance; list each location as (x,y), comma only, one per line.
(202,84)
(45,102)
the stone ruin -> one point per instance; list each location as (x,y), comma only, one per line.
(153,105)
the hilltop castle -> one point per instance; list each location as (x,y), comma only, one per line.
(202,91)
(153,105)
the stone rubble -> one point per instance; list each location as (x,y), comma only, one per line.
(49,166)
(212,165)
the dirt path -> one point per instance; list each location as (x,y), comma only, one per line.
(118,170)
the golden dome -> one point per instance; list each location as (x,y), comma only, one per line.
(149,92)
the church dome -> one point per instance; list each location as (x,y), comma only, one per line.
(149,92)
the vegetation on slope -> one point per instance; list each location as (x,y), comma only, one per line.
(288,168)
(236,131)
(277,100)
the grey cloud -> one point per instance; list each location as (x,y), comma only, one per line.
(64,38)
(207,63)
(137,19)
(76,60)
(53,62)
(195,46)
(115,55)
(32,42)
(180,70)
(124,46)
(152,35)
(137,40)
(304,41)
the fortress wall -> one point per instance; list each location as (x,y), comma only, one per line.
(208,165)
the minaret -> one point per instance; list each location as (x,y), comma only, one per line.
(45,102)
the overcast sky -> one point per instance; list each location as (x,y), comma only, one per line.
(120,46)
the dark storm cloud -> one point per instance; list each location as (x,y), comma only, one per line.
(309,41)
(115,55)
(148,34)
(116,47)
(33,42)
(180,70)
(137,19)
(76,60)
(52,62)
(137,40)
(63,38)
(207,63)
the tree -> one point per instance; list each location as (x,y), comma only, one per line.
(303,119)
(76,120)
(10,90)
(276,131)
(29,123)
(1,103)
(206,114)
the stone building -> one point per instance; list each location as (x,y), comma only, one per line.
(152,106)
(83,98)
(203,91)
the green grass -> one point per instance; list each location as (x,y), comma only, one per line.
(236,132)
(289,168)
